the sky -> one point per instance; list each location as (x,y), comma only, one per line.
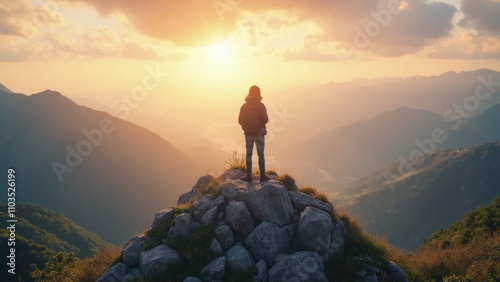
(195,53)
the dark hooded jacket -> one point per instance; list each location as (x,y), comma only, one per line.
(251,103)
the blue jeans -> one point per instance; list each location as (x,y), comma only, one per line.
(259,143)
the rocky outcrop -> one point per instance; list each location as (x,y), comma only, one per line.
(279,235)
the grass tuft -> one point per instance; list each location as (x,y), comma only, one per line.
(288,181)
(237,161)
(313,192)
(232,275)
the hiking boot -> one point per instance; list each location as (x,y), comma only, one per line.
(247,178)
(264,177)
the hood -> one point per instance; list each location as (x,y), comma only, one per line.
(253,99)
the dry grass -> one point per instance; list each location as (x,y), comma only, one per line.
(311,191)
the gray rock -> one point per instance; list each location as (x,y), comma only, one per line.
(269,203)
(163,217)
(209,217)
(131,251)
(291,231)
(196,190)
(239,218)
(201,206)
(267,240)
(301,200)
(314,231)
(261,271)
(337,243)
(299,267)
(133,275)
(114,273)
(192,279)
(395,273)
(158,260)
(219,202)
(224,235)
(184,225)
(214,270)
(239,258)
(216,248)
(234,174)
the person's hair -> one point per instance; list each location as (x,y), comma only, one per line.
(254,91)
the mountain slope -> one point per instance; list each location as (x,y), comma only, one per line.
(90,166)
(482,221)
(476,131)
(365,146)
(407,203)
(40,234)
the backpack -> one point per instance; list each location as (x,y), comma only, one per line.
(250,119)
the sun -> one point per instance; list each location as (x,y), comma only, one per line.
(219,53)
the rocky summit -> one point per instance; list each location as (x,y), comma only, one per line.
(253,232)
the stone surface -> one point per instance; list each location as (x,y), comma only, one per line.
(239,218)
(314,231)
(131,251)
(266,202)
(201,206)
(216,248)
(224,235)
(184,224)
(163,217)
(115,273)
(133,275)
(261,271)
(234,174)
(239,258)
(395,273)
(158,260)
(195,191)
(301,200)
(267,240)
(337,242)
(214,271)
(210,216)
(299,267)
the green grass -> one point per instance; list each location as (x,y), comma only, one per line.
(237,161)
(240,275)
(288,181)
(195,250)
(357,244)
(154,236)
(313,192)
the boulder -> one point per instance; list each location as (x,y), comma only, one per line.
(314,231)
(224,235)
(216,248)
(201,206)
(133,275)
(196,190)
(209,217)
(301,200)
(214,271)
(395,273)
(184,225)
(267,240)
(158,261)
(337,243)
(299,267)
(163,217)
(239,218)
(131,251)
(115,273)
(233,174)
(261,271)
(239,258)
(269,202)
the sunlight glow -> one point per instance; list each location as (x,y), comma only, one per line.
(219,53)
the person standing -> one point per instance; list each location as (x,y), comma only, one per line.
(253,119)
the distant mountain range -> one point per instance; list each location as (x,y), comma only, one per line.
(40,234)
(92,167)
(407,202)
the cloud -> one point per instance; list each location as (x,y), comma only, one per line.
(483,15)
